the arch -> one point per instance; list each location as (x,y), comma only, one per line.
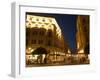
(40,50)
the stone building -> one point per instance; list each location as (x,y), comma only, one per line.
(44,32)
(82,38)
(82,35)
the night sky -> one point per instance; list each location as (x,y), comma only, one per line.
(67,23)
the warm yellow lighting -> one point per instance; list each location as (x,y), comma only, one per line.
(35,57)
(78,45)
(43,56)
(68,55)
(81,51)
(28,57)
(32,50)
(69,51)
(46,22)
(29,50)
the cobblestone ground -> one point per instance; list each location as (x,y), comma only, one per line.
(74,62)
